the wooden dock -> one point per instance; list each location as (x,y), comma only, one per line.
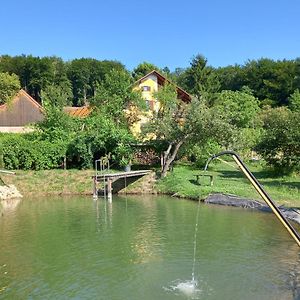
(109,178)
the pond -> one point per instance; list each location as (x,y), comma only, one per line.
(142,247)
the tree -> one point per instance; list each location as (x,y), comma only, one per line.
(57,125)
(177,123)
(178,76)
(240,110)
(280,144)
(35,73)
(231,77)
(143,69)
(294,101)
(57,95)
(241,107)
(114,94)
(201,80)
(86,74)
(272,80)
(9,86)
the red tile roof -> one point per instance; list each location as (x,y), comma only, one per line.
(80,112)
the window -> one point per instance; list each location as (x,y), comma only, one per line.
(146,88)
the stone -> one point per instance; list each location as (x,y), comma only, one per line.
(9,192)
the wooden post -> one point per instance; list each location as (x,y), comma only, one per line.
(161,161)
(109,190)
(95,190)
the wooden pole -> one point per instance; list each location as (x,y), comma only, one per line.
(109,190)
(95,190)
(259,188)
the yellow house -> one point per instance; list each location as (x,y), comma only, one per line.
(148,85)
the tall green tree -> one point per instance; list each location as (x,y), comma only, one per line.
(9,86)
(231,77)
(35,73)
(86,74)
(280,144)
(57,95)
(201,80)
(240,107)
(272,80)
(177,124)
(143,69)
(115,94)
(294,101)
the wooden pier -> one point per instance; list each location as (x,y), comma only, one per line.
(109,178)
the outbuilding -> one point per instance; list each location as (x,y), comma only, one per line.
(17,115)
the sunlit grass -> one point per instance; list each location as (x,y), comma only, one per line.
(54,182)
(181,182)
(229,180)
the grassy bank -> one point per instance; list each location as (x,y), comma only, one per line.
(181,182)
(229,180)
(51,182)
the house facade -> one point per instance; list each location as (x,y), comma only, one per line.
(148,85)
(22,111)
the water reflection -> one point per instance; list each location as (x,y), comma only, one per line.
(9,205)
(104,212)
(133,247)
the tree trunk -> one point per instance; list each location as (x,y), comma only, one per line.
(170,156)
(165,155)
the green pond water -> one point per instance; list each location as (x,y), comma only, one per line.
(142,248)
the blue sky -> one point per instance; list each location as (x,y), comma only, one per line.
(164,32)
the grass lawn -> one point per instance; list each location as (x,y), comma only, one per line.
(54,182)
(181,182)
(230,180)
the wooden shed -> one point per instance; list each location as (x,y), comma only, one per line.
(21,112)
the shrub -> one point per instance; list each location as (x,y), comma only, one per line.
(22,153)
(200,153)
(280,144)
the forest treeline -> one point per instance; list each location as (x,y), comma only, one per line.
(249,108)
(272,82)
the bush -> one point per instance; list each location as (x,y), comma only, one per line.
(280,144)
(79,152)
(201,153)
(246,140)
(22,153)
(80,141)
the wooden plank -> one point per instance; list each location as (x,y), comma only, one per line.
(7,172)
(122,174)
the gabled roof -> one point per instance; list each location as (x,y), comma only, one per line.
(21,111)
(182,94)
(27,96)
(80,112)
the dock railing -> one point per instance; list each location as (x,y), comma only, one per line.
(102,166)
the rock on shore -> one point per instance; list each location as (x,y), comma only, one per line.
(9,192)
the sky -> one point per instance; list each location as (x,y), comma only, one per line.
(163,32)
